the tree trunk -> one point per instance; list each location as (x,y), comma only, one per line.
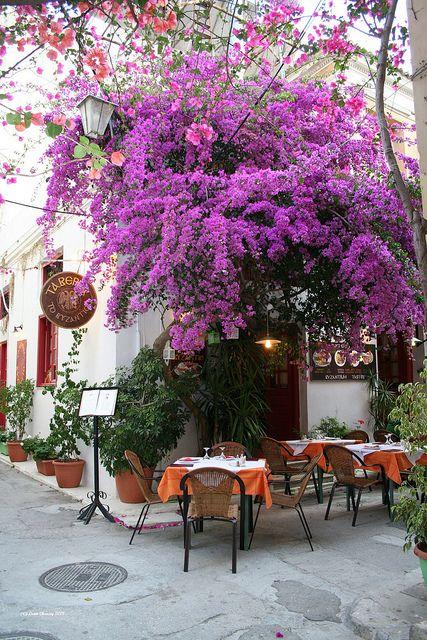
(199,418)
(415,217)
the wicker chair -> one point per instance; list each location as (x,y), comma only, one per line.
(212,489)
(357,434)
(142,480)
(342,461)
(380,435)
(279,458)
(293,501)
(230,449)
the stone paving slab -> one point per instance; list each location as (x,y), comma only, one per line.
(280,586)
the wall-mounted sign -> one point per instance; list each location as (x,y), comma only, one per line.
(62,306)
(335,364)
(187,363)
(21,360)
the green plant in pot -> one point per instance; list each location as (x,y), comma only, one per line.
(67,429)
(16,404)
(44,453)
(329,427)
(150,418)
(3,445)
(410,412)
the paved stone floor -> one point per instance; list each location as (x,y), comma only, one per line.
(357,583)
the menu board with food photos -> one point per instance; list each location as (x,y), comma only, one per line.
(187,364)
(333,363)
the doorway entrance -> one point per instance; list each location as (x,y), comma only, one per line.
(395,364)
(283,417)
(3,377)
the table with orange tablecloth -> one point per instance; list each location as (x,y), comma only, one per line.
(254,479)
(311,448)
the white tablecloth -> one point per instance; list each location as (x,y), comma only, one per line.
(299,446)
(230,465)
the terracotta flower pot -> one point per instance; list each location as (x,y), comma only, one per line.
(420,551)
(16,452)
(128,487)
(68,474)
(45,467)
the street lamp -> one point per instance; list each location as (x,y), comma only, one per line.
(96,114)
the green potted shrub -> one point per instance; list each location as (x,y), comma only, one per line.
(43,451)
(410,412)
(329,427)
(66,428)
(3,445)
(149,420)
(18,401)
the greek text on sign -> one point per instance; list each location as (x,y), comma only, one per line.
(62,306)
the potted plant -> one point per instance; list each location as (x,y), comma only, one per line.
(149,420)
(329,427)
(3,445)
(19,402)
(66,428)
(43,451)
(410,412)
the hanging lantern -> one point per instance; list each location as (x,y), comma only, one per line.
(96,114)
(268,342)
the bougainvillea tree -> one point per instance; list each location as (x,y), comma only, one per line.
(294,210)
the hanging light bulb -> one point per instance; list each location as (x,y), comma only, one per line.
(268,342)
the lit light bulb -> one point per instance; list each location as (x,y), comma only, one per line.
(268,344)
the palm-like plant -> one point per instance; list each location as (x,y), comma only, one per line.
(232,394)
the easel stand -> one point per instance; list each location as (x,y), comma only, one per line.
(95,496)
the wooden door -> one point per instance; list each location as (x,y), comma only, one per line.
(3,377)
(395,364)
(283,419)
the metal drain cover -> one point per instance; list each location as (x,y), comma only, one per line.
(26,635)
(83,576)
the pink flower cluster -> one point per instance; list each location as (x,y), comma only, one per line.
(209,218)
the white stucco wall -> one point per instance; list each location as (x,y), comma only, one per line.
(346,400)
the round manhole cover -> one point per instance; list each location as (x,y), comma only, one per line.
(26,635)
(83,576)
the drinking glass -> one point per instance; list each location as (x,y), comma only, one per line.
(206,456)
(222,456)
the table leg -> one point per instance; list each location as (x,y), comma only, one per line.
(245,523)
(390,492)
(320,484)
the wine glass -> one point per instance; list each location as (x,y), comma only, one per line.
(206,456)
(388,439)
(222,456)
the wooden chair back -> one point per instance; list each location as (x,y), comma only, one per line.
(342,462)
(275,454)
(380,435)
(230,449)
(212,489)
(357,434)
(308,470)
(137,469)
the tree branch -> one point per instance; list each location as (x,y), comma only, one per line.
(415,218)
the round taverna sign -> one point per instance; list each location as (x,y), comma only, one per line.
(62,306)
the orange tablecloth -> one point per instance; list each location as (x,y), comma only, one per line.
(316,448)
(255,481)
(393,463)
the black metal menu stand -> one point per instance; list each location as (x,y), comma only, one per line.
(97,402)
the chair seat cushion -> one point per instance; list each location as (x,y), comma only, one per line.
(233,512)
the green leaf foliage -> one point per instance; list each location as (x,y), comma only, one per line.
(16,403)
(67,429)
(150,417)
(232,394)
(329,427)
(13,118)
(53,130)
